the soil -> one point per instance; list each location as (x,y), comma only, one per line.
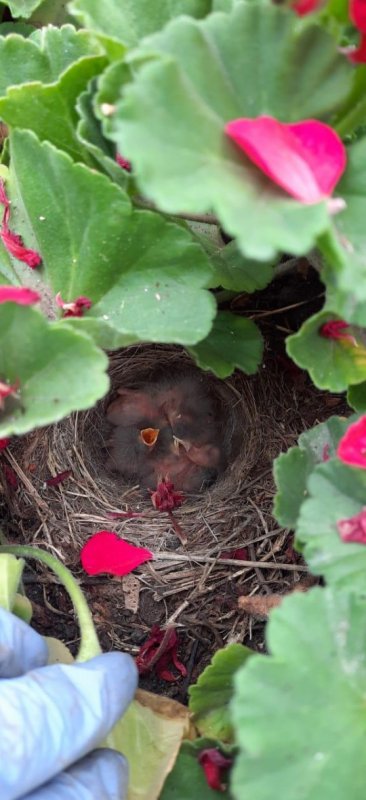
(202,600)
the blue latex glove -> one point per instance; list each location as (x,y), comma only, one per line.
(52,717)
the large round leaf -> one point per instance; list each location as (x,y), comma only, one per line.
(335,492)
(259,59)
(57,370)
(145,276)
(300,714)
(232,342)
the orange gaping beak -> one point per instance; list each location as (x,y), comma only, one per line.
(149,436)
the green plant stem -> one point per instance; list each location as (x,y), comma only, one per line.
(89,645)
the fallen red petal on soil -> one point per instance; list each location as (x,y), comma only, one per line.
(214,764)
(306,159)
(4,443)
(62,476)
(10,476)
(159,652)
(352,446)
(18,294)
(14,245)
(105,552)
(164,498)
(239,554)
(353,529)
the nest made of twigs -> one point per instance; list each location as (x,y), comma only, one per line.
(187,585)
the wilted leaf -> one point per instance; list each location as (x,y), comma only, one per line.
(58,370)
(292,709)
(204,79)
(150,734)
(232,342)
(209,698)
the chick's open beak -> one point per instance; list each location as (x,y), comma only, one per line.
(149,436)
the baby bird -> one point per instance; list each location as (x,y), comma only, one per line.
(132,407)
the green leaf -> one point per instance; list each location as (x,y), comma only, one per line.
(11,569)
(43,56)
(22,608)
(49,109)
(335,492)
(299,713)
(91,137)
(144,275)
(331,363)
(356,397)
(292,469)
(187,779)
(58,370)
(128,21)
(203,79)
(233,342)
(22,8)
(209,698)
(234,271)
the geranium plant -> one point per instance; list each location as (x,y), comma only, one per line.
(123,124)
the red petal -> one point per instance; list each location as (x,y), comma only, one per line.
(306,158)
(4,443)
(15,247)
(123,162)
(352,446)
(213,763)
(302,7)
(353,529)
(10,476)
(336,329)
(18,294)
(106,552)
(357,12)
(62,476)
(165,498)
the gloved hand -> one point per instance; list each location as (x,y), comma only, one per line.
(51,717)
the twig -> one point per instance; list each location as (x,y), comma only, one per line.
(163,556)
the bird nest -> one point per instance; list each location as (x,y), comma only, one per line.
(195,586)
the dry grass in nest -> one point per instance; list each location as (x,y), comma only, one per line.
(189,586)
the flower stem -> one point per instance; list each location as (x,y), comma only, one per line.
(89,644)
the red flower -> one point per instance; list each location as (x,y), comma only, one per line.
(159,652)
(214,764)
(357,12)
(164,498)
(123,162)
(62,476)
(18,294)
(74,309)
(306,159)
(352,446)
(106,552)
(5,391)
(335,329)
(4,443)
(302,7)
(353,529)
